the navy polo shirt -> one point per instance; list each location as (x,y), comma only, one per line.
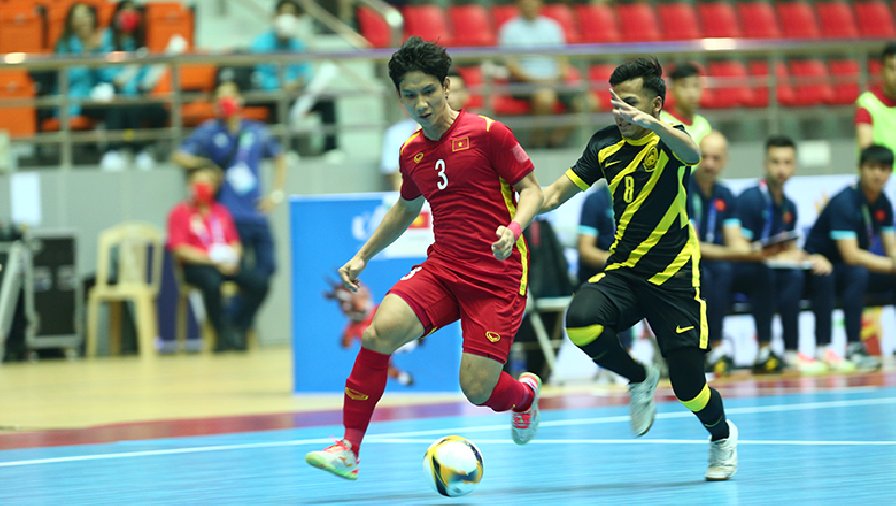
(597,221)
(760,217)
(710,214)
(849,215)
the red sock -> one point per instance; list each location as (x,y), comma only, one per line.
(510,394)
(363,390)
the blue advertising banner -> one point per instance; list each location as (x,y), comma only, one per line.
(325,231)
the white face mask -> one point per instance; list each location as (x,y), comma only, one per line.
(285,25)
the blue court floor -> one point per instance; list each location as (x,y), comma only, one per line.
(833,447)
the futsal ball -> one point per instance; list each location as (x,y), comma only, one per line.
(453,466)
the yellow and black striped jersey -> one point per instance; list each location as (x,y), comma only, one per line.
(647,180)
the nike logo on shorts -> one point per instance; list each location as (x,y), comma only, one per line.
(681,330)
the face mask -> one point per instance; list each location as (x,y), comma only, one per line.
(228,107)
(203,193)
(285,25)
(128,21)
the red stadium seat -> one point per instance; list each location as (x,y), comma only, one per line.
(473,80)
(758,20)
(562,15)
(875,66)
(18,120)
(427,21)
(165,20)
(638,22)
(845,74)
(21,29)
(718,19)
(597,23)
(758,69)
(728,85)
(797,20)
(599,77)
(836,19)
(811,82)
(874,18)
(373,27)
(472,25)
(679,21)
(502,14)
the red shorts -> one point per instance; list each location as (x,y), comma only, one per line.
(489,319)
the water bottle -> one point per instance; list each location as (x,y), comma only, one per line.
(517,360)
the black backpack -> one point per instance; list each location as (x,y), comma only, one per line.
(548,269)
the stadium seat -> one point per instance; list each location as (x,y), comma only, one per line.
(836,19)
(874,18)
(758,20)
(811,82)
(599,78)
(678,20)
(875,66)
(473,80)
(472,26)
(427,21)
(845,74)
(728,85)
(373,27)
(21,29)
(758,69)
(563,16)
(17,120)
(165,20)
(718,19)
(502,14)
(638,22)
(797,20)
(597,23)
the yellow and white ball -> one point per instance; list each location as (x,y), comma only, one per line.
(453,466)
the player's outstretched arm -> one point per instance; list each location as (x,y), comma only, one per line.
(559,192)
(397,219)
(526,209)
(678,141)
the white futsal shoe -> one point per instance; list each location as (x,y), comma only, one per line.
(525,423)
(723,456)
(642,409)
(338,459)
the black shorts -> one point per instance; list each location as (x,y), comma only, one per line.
(676,314)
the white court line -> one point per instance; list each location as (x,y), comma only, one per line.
(396,436)
(764,442)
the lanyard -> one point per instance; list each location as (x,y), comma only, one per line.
(217,231)
(770,216)
(711,212)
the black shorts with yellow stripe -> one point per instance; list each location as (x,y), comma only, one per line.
(619,299)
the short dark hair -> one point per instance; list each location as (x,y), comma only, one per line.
(417,54)
(648,69)
(889,50)
(876,154)
(684,70)
(779,141)
(280,3)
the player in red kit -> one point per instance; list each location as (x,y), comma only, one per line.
(470,169)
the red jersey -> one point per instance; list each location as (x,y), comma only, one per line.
(468,176)
(187,227)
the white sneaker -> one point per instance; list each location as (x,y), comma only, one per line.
(113,161)
(524,424)
(808,365)
(337,459)
(723,456)
(835,362)
(642,409)
(144,161)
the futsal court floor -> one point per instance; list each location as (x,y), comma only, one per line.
(226,430)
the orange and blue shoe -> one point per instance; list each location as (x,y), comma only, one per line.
(525,423)
(338,459)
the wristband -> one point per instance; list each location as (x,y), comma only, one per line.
(516,229)
(277,196)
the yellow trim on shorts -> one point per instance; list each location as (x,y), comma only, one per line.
(698,403)
(583,336)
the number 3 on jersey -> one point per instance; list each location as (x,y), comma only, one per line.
(443,178)
(628,193)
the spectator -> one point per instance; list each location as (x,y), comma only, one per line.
(284,37)
(237,146)
(128,34)
(686,88)
(203,239)
(855,232)
(396,135)
(768,217)
(876,109)
(545,73)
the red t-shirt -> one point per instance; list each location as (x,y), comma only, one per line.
(187,227)
(468,176)
(863,117)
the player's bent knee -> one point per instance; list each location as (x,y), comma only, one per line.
(581,325)
(378,341)
(583,336)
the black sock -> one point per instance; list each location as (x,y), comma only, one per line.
(712,416)
(606,352)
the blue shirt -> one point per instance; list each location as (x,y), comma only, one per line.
(711,213)
(266,75)
(81,78)
(240,157)
(596,221)
(760,218)
(137,73)
(849,215)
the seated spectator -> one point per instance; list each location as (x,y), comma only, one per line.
(396,135)
(767,214)
(685,91)
(203,239)
(128,34)
(544,73)
(855,232)
(284,37)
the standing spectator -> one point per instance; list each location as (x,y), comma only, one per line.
(128,34)
(284,37)
(686,88)
(396,135)
(532,30)
(237,146)
(203,239)
(876,109)
(766,215)
(855,232)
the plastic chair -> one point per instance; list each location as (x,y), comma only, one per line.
(797,20)
(730,89)
(564,17)
(472,26)
(836,19)
(134,250)
(427,21)
(18,120)
(373,27)
(679,21)
(758,20)
(811,82)
(597,23)
(166,19)
(638,22)
(874,18)
(845,75)
(718,19)
(21,29)
(502,14)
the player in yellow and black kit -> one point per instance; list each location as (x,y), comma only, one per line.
(653,270)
